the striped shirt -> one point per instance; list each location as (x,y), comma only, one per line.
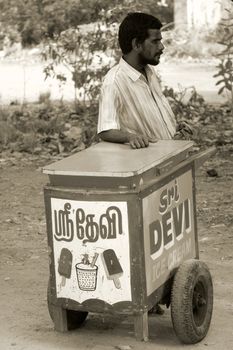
(130,102)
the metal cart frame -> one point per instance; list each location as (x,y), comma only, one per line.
(133,190)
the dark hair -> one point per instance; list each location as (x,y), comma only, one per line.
(136,25)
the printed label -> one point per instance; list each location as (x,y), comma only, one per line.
(89,261)
(168,229)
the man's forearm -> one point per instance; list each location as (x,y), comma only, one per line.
(118,136)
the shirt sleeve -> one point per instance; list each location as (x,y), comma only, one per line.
(109,108)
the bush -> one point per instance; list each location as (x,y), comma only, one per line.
(49,127)
(31,33)
(84,53)
(180,43)
(8,134)
(225,66)
(55,127)
(35,19)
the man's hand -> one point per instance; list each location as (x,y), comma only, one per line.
(184,131)
(120,136)
(179,136)
(138,141)
(184,126)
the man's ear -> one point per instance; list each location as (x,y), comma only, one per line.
(136,45)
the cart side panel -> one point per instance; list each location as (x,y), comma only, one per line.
(90,242)
(170,232)
(51,282)
(195,210)
(137,259)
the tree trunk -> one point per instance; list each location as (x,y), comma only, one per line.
(199,14)
(180,13)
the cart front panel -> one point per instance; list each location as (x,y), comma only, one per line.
(88,259)
(96,250)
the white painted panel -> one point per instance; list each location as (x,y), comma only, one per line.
(91,250)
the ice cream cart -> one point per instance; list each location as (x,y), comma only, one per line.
(122,237)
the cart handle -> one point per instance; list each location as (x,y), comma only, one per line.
(198,159)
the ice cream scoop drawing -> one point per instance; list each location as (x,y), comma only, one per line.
(65,264)
(112,267)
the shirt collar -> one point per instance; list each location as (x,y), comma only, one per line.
(149,70)
(132,72)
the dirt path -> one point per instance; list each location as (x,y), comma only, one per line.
(24,319)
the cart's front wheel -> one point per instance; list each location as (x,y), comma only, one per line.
(192,301)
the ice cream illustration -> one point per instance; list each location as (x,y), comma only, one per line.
(65,264)
(112,267)
(87,273)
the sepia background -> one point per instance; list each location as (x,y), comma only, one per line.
(53,56)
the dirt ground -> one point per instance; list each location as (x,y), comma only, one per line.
(24,318)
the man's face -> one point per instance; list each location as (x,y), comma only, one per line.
(151,48)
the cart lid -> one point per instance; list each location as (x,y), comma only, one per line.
(107,159)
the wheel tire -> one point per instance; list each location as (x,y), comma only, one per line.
(192,301)
(74,318)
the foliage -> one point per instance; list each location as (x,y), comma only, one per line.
(46,127)
(8,36)
(52,128)
(83,52)
(225,67)
(86,52)
(35,18)
(182,43)
(212,125)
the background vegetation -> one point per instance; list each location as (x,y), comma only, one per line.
(81,36)
(29,21)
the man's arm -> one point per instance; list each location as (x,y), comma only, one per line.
(120,136)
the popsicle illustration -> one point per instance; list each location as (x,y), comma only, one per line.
(112,267)
(94,259)
(65,264)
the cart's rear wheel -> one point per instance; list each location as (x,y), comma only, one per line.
(74,318)
(192,301)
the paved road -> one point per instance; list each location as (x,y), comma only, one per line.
(26,82)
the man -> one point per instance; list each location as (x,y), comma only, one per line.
(132,107)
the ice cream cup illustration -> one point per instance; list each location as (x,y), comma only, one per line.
(87,276)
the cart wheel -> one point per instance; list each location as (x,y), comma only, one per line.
(192,301)
(74,318)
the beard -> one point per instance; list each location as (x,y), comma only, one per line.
(154,61)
